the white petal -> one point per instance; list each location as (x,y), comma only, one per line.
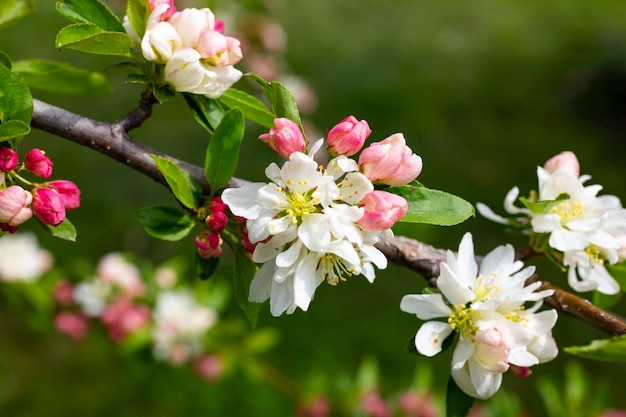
(315,232)
(450,286)
(290,256)
(521,357)
(489,214)
(354,186)
(425,306)
(281,297)
(375,256)
(565,240)
(486,383)
(430,337)
(242,201)
(305,281)
(261,283)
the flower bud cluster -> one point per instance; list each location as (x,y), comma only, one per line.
(319,222)
(209,242)
(190,44)
(20,199)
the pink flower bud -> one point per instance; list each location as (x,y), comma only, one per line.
(170,3)
(209,367)
(38,163)
(14,202)
(382,210)
(285,137)
(48,206)
(492,349)
(5,227)
(348,136)
(219,50)
(8,159)
(63,293)
(73,325)
(217,204)
(564,159)
(123,317)
(209,245)
(374,405)
(390,161)
(217,221)
(69,192)
(520,371)
(219,26)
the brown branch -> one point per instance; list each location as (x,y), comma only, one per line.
(112,139)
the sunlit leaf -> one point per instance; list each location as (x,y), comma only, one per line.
(433,206)
(283,103)
(12,10)
(222,154)
(609,350)
(137,12)
(16,102)
(251,107)
(186,188)
(65,230)
(90,11)
(207,112)
(87,37)
(61,77)
(164,222)
(12,129)
(539,207)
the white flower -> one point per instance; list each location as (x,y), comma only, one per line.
(485,306)
(114,269)
(92,296)
(21,258)
(306,220)
(180,324)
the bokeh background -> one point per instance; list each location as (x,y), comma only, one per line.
(484,91)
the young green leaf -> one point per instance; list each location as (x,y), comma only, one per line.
(610,350)
(539,207)
(267,89)
(138,12)
(16,102)
(251,107)
(163,92)
(433,206)
(205,267)
(458,403)
(5,60)
(12,129)
(243,272)
(207,112)
(186,188)
(65,230)
(283,103)
(90,11)
(164,222)
(222,154)
(12,10)
(61,77)
(87,37)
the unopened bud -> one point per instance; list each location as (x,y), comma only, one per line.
(8,159)
(285,137)
(48,206)
(38,163)
(348,136)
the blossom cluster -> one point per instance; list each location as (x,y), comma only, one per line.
(190,44)
(208,241)
(48,201)
(315,221)
(118,298)
(485,306)
(571,223)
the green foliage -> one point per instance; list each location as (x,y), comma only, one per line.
(251,107)
(207,112)
(618,272)
(186,188)
(60,77)
(280,98)
(205,268)
(432,206)
(138,12)
(12,10)
(88,37)
(539,207)
(164,222)
(65,230)
(243,272)
(611,350)
(222,154)
(90,11)
(16,105)
(458,403)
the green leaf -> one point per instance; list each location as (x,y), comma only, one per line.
(283,103)
(609,350)
(222,155)
(12,129)
(163,92)
(267,89)
(164,222)
(207,112)
(87,37)
(458,403)
(605,301)
(90,11)
(61,77)
(16,102)
(244,271)
(543,206)
(138,12)
(205,267)
(251,107)
(65,230)
(432,206)
(186,188)
(12,10)
(5,60)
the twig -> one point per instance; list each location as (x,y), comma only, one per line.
(112,139)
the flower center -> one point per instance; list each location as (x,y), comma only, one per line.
(335,269)
(594,254)
(568,210)
(301,205)
(485,289)
(462,320)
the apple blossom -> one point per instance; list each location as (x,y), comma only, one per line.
(14,201)
(21,258)
(285,137)
(348,136)
(390,161)
(382,210)
(190,23)
(8,159)
(160,42)
(114,269)
(219,50)
(485,306)
(36,162)
(74,325)
(48,206)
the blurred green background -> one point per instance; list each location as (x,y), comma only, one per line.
(484,91)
